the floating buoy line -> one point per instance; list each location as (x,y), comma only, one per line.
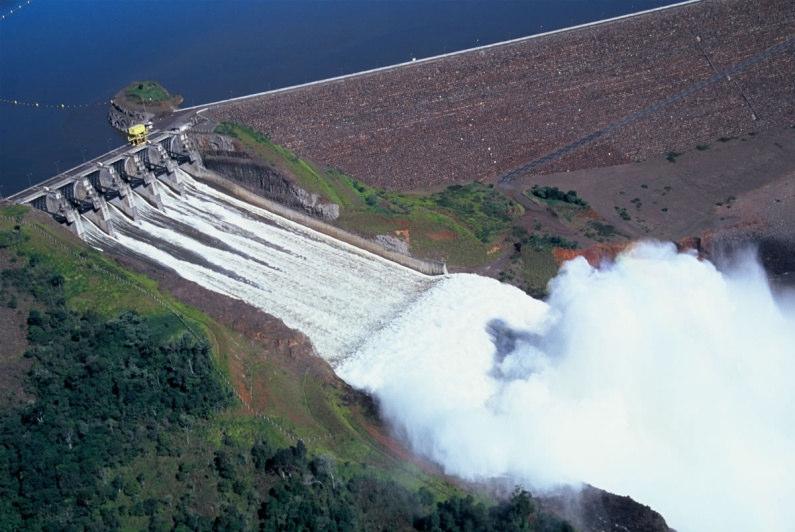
(43,105)
(13,10)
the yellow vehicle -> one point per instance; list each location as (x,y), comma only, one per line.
(136,134)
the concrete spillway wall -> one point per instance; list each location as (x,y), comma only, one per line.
(337,294)
(86,194)
(235,190)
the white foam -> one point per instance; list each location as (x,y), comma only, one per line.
(314,283)
(659,377)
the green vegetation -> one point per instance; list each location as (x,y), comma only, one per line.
(131,424)
(622,212)
(554,194)
(293,405)
(728,202)
(146,92)
(458,224)
(537,241)
(702,147)
(532,264)
(600,231)
(107,390)
(671,156)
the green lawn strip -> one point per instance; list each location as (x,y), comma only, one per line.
(306,175)
(532,263)
(538,267)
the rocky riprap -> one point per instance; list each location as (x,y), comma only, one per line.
(480,114)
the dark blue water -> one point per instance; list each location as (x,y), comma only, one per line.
(77,52)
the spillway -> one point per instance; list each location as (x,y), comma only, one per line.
(335,293)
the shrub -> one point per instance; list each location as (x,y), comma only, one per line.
(555,194)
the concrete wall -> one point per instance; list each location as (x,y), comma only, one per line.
(219,182)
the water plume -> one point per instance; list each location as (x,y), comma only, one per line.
(657,376)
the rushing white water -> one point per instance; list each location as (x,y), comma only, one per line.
(333,292)
(658,376)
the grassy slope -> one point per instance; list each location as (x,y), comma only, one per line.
(146,92)
(296,405)
(460,224)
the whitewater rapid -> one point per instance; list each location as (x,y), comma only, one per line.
(334,293)
(657,376)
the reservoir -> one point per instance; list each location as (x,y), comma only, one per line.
(80,53)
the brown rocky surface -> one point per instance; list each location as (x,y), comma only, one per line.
(595,510)
(726,194)
(600,253)
(595,255)
(478,115)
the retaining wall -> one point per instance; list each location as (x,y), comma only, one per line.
(219,182)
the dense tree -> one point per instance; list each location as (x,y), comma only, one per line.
(99,386)
(108,391)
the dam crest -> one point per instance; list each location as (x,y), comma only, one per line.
(83,194)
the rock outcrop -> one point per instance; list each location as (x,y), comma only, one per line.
(123,118)
(223,155)
(594,510)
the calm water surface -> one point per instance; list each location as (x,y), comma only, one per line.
(77,52)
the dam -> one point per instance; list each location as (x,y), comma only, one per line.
(470,115)
(153,202)
(86,192)
(477,375)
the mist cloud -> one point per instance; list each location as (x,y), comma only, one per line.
(657,376)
